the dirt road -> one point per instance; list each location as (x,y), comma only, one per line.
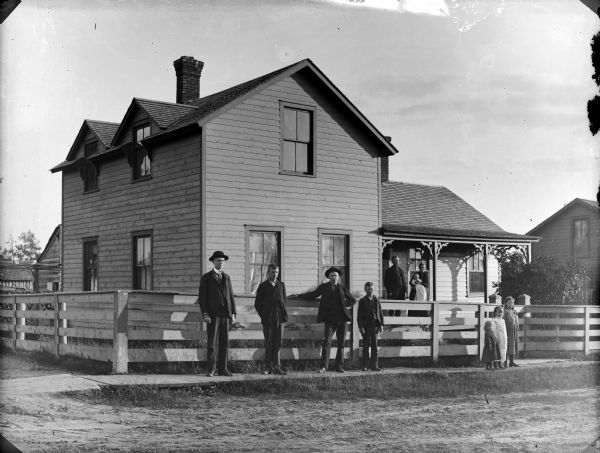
(544,421)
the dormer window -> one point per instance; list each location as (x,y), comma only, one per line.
(90,177)
(141,162)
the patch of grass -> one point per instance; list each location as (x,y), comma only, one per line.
(431,384)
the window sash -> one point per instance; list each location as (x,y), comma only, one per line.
(581,238)
(335,253)
(297,140)
(264,248)
(142,164)
(142,264)
(90,265)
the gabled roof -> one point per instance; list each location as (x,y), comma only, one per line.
(162,113)
(102,129)
(53,237)
(418,210)
(211,106)
(582,202)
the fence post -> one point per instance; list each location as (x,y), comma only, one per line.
(586,331)
(480,329)
(62,307)
(435,331)
(120,357)
(14,333)
(524,311)
(19,321)
(355,338)
(56,327)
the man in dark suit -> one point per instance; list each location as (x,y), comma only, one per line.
(395,281)
(217,305)
(270,303)
(333,311)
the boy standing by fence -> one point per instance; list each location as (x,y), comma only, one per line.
(370,322)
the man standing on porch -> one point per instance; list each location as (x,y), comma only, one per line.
(395,282)
(217,305)
(333,311)
(270,303)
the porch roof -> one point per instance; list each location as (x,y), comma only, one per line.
(434,212)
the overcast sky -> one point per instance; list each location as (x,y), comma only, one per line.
(489,101)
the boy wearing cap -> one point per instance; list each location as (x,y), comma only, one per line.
(333,311)
(217,305)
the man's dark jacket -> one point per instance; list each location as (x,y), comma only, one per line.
(329,298)
(266,296)
(216,296)
(395,283)
(364,315)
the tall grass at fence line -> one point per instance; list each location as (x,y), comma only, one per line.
(375,386)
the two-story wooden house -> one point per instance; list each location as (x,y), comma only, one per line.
(573,234)
(282,168)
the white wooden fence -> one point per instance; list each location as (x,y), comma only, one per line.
(134,326)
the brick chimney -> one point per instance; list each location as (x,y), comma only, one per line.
(385,165)
(188,70)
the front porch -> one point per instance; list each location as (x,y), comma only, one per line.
(460,269)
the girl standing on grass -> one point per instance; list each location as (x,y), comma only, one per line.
(511,318)
(491,351)
(499,329)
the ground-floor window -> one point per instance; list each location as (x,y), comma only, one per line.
(263,247)
(90,265)
(476,273)
(335,251)
(142,261)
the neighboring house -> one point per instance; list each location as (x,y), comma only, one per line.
(459,246)
(282,168)
(573,234)
(46,269)
(15,278)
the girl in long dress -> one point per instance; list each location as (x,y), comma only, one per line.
(499,329)
(511,318)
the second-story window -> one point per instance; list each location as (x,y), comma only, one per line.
(90,180)
(581,238)
(142,165)
(297,155)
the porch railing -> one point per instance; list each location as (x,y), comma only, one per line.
(133,326)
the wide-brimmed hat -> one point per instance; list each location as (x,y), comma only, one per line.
(218,254)
(332,269)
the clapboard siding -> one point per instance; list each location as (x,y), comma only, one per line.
(243,186)
(556,236)
(168,204)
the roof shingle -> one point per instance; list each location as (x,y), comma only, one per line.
(434,210)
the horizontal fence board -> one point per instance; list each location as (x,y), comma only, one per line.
(98,324)
(595,345)
(167,355)
(167,334)
(35,299)
(7,313)
(404,351)
(406,320)
(163,307)
(88,315)
(405,306)
(33,345)
(163,316)
(96,305)
(532,333)
(458,349)
(550,309)
(459,335)
(555,346)
(455,327)
(7,327)
(39,330)
(101,353)
(89,298)
(102,334)
(36,314)
(458,322)
(7,342)
(405,335)
(555,321)
(164,325)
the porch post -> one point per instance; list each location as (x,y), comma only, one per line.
(434,269)
(485,273)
